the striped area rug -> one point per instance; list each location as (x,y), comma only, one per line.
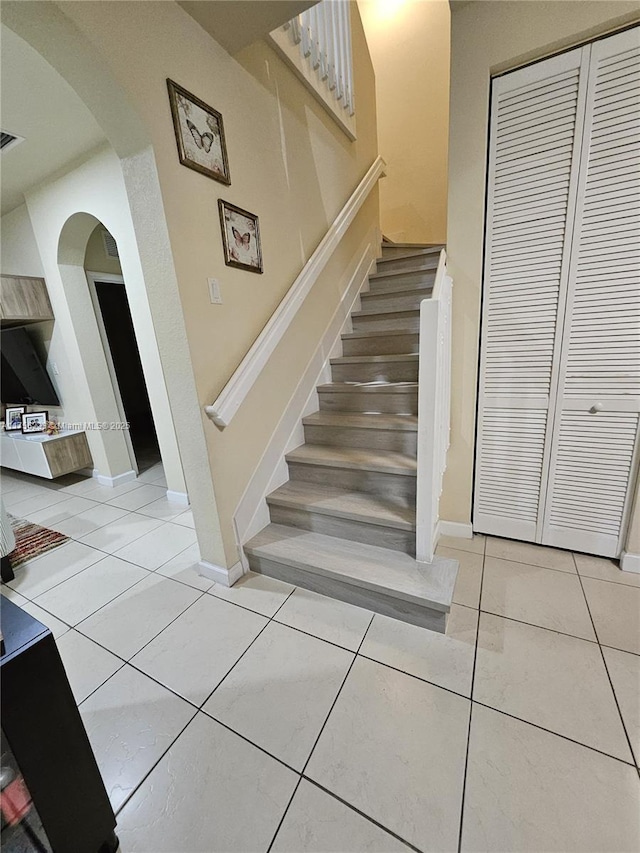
(32,540)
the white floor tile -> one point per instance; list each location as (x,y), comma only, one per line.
(186,519)
(151,474)
(604,569)
(136,498)
(99,515)
(615,609)
(14,596)
(475,545)
(192,798)
(163,509)
(119,533)
(89,590)
(197,650)
(543,597)
(468,582)
(331,620)
(257,592)
(62,511)
(87,664)
(394,747)
(317,823)
(159,546)
(27,507)
(56,627)
(130,722)
(531,554)
(280,693)
(89,487)
(185,568)
(549,679)
(529,790)
(43,573)
(135,617)
(624,669)
(443,659)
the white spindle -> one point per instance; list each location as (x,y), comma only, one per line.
(434,406)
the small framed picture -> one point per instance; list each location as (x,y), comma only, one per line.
(34,422)
(13,418)
(240,237)
(199,134)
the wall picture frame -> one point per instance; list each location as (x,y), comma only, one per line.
(13,418)
(240,237)
(34,422)
(199,131)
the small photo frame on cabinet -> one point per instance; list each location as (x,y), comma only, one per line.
(240,237)
(13,418)
(33,422)
(199,134)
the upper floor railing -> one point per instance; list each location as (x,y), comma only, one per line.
(434,408)
(317,44)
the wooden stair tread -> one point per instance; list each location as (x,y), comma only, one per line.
(378,569)
(357,458)
(390,511)
(408,423)
(377,312)
(417,253)
(423,268)
(410,291)
(377,333)
(369,387)
(375,359)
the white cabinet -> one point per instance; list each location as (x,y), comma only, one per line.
(43,455)
(560,356)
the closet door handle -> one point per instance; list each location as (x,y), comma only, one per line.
(597,407)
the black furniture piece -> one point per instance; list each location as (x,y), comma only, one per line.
(45,742)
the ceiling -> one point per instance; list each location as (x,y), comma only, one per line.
(36,103)
(237,23)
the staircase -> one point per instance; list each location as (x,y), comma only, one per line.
(344,524)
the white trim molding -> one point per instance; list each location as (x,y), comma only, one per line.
(223,409)
(178,497)
(455,528)
(219,574)
(630,562)
(118,480)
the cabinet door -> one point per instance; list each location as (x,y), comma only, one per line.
(595,429)
(24,298)
(534,157)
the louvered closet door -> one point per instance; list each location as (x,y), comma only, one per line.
(596,423)
(535,135)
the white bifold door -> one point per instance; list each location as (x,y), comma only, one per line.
(559,395)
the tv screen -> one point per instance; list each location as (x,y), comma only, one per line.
(23,378)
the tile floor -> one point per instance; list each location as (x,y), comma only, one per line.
(267,718)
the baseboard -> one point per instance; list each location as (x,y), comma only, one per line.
(455,528)
(252,513)
(118,480)
(225,577)
(178,497)
(630,562)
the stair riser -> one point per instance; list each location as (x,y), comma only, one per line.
(379,371)
(345,528)
(394,344)
(388,302)
(378,602)
(385,322)
(394,251)
(405,280)
(402,441)
(397,404)
(355,479)
(400,263)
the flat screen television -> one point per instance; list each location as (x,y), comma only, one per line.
(23,377)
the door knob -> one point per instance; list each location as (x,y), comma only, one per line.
(597,407)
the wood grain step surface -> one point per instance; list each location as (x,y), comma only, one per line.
(411,357)
(391,573)
(354,458)
(410,275)
(387,510)
(372,421)
(406,256)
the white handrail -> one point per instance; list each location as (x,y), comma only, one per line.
(234,392)
(434,408)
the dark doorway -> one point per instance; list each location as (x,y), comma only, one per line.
(116,316)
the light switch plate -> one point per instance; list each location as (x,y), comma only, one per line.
(214,291)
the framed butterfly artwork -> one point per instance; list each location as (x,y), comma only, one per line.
(240,237)
(199,134)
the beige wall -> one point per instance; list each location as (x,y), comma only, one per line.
(289,163)
(409,44)
(96,259)
(488,37)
